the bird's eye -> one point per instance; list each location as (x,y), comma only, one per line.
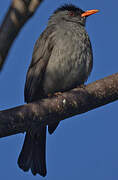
(71,13)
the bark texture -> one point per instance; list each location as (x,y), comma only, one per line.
(18,14)
(57,108)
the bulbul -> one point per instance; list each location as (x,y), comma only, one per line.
(62,59)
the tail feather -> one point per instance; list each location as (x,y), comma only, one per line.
(39,153)
(33,154)
(25,157)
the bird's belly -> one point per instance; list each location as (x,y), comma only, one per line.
(63,77)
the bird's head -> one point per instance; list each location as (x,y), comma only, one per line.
(71,13)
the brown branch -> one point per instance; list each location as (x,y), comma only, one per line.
(46,111)
(18,14)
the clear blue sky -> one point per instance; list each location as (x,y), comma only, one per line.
(84,147)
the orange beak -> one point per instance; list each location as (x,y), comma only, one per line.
(89,12)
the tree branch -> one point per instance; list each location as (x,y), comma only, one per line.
(18,14)
(46,111)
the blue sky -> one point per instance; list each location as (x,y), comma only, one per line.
(85,146)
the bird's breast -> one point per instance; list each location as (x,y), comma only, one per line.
(70,62)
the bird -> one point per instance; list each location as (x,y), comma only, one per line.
(62,59)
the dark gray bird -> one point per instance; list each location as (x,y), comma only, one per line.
(62,59)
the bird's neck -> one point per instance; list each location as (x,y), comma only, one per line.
(72,25)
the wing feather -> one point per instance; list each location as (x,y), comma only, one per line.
(41,54)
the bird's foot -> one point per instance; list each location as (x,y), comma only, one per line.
(57,94)
(54,94)
(81,86)
(50,95)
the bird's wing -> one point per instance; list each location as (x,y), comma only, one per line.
(35,74)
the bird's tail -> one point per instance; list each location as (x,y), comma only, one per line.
(33,152)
